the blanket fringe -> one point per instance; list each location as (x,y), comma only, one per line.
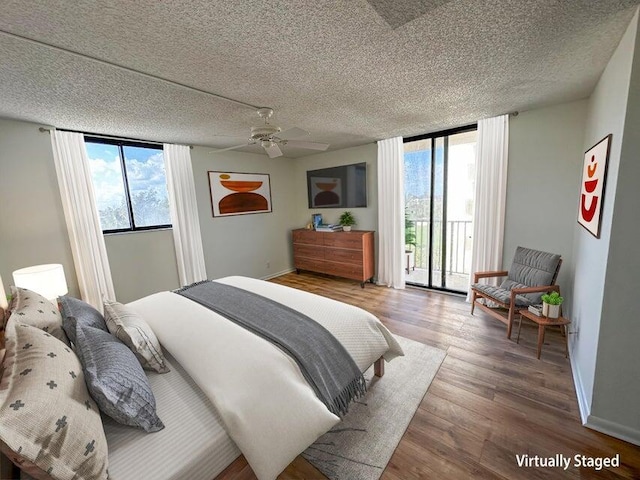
(355,389)
(191,285)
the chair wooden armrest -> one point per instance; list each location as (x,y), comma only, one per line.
(541,288)
(489,274)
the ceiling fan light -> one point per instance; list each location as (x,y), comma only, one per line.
(267,143)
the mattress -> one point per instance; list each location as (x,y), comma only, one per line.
(192,445)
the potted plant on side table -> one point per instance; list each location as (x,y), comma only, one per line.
(409,242)
(347,220)
(551,304)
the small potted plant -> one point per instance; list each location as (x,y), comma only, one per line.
(409,232)
(551,304)
(347,220)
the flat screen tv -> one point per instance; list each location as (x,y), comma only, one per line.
(338,187)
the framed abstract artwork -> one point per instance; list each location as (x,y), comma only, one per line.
(235,193)
(594,177)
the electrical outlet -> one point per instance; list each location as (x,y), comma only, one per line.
(268,264)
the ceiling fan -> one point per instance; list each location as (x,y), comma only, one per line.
(271,137)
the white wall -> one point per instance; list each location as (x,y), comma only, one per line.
(543,182)
(606,114)
(616,391)
(367,217)
(245,244)
(32,225)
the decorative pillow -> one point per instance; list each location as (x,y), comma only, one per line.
(116,380)
(76,312)
(136,334)
(33,309)
(47,417)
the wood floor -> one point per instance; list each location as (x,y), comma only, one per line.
(490,401)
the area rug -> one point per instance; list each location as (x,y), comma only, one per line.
(360,446)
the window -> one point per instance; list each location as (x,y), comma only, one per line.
(439,199)
(130,185)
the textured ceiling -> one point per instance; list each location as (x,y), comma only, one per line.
(350,72)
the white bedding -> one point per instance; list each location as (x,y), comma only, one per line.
(193,445)
(268,408)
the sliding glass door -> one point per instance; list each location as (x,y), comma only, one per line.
(439,192)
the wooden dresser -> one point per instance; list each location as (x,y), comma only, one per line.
(343,254)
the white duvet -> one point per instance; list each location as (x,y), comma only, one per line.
(268,408)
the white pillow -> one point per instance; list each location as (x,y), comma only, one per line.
(136,334)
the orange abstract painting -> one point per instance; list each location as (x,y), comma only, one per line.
(239,193)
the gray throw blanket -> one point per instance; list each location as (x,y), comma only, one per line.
(324,362)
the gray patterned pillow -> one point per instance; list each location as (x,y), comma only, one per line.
(75,311)
(47,416)
(116,380)
(136,334)
(33,309)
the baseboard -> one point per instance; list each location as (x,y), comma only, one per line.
(614,429)
(596,423)
(282,272)
(583,404)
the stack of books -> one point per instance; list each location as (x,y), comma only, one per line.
(536,309)
(328,227)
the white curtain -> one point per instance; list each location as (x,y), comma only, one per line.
(81,214)
(491,194)
(391,212)
(184,214)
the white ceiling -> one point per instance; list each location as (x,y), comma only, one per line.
(350,71)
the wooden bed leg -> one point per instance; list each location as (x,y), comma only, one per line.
(378,367)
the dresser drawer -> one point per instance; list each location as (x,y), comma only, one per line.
(310,264)
(308,251)
(310,237)
(343,255)
(345,270)
(344,240)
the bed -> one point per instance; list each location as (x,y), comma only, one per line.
(230,391)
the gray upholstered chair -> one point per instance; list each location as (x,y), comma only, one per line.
(531,274)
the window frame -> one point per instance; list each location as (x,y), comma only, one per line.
(433,136)
(123,170)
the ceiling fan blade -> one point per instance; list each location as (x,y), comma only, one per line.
(273,150)
(294,132)
(229,148)
(309,145)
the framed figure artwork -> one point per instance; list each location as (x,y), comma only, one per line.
(594,177)
(239,193)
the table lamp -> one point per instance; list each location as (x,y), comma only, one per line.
(3,310)
(47,280)
(3,296)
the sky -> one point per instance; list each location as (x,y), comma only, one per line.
(145,169)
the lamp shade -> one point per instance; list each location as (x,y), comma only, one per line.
(3,297)
(47,280)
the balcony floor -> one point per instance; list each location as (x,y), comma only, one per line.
(454,281)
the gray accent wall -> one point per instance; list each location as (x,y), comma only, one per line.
(142,263)
(543,183)
(255,245)
(32,225)
(33,229)
(604,349)
(366,217)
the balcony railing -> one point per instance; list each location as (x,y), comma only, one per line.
(458,245)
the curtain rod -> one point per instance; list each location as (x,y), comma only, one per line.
(108,137)
(128,69)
